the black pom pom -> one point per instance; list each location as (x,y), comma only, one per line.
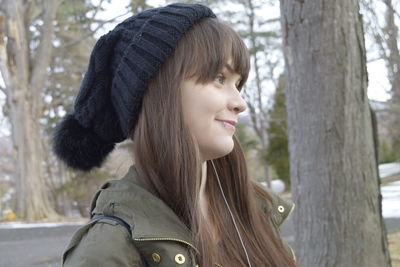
(78,147)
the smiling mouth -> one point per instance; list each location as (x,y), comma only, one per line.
(227,125)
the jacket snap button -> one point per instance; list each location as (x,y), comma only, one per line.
(281,209)
(156,257)
(180,259)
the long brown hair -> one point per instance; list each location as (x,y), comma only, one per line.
(168,159)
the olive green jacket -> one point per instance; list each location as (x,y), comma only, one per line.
(157,237)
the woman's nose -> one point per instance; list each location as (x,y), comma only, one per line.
(237,103)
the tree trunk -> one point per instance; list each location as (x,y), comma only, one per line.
(24,78)
(32,199)
(332,159)
(64,200)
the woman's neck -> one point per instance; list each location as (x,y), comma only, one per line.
(202,195)
(204,204)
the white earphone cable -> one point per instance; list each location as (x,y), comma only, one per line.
(230,212)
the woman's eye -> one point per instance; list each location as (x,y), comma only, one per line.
(220,79)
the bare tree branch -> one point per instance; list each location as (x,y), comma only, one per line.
(32,11)
(374,59)
(3,89)
(43,57)
(376,29)
(90,34)
(97,10)
(253,114)
(3,50)
(272,20)
(391,7)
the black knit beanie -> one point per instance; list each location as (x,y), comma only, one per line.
(121,65)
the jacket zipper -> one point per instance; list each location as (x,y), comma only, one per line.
(167,239)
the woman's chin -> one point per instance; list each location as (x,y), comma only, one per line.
(220,150)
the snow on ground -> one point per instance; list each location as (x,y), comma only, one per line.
(391,200)
(19,225)
(389,169)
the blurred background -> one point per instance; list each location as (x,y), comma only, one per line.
(44,51)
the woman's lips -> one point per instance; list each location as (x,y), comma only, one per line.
(228,125)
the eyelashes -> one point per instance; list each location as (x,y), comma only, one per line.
(220,79)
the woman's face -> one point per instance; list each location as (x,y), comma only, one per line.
(207,106)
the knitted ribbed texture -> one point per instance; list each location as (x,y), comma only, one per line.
(121,65)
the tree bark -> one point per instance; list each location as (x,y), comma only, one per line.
(24,88)
(332,158)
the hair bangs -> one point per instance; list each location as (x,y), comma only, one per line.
(240,57)
(213,45)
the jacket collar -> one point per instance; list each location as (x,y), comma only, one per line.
(149,217)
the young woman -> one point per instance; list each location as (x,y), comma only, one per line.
(170,79)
